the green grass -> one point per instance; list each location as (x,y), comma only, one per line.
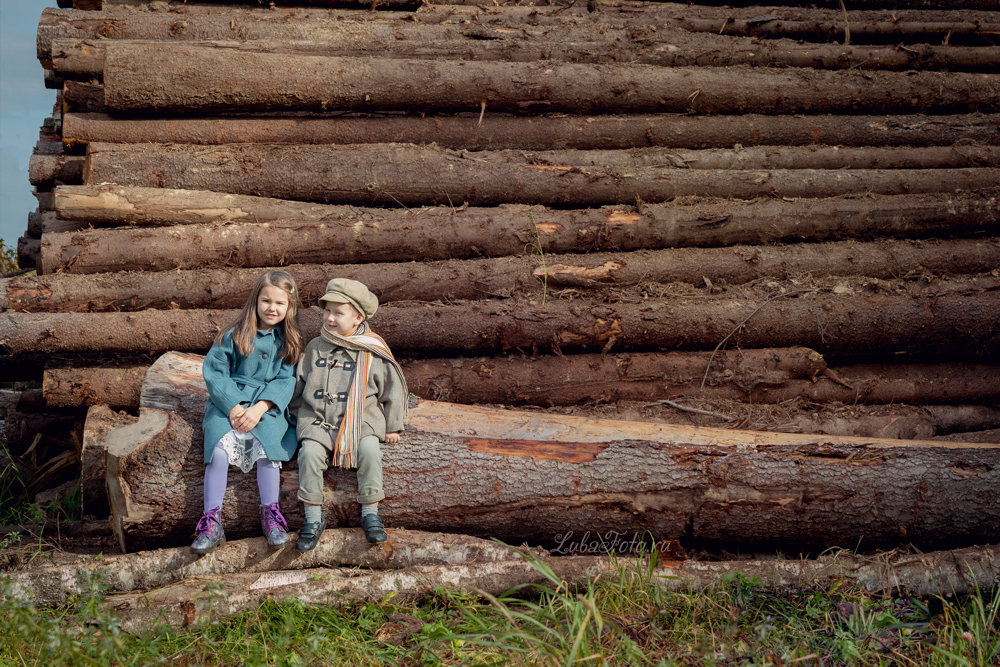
(623,619)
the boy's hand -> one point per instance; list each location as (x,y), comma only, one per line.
(248,420)
(392,438)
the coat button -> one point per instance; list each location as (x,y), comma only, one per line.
(263,355)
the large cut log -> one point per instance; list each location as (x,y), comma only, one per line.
(177,77)
(841,321)
(664,48)
(395,174)
(211,599)
(523,275)
(496,132)
(529,476)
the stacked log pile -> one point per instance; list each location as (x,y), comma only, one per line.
(771,218)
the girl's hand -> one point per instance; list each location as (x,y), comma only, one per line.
(248,420)
(235,415)
(392,438)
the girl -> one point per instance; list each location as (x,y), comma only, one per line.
(250,373)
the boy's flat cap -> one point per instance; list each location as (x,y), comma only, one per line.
(345,290)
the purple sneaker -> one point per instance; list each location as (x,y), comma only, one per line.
(273,525)
(208,533)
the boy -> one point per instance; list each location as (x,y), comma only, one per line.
(350,395)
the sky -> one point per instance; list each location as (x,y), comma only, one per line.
(24,104)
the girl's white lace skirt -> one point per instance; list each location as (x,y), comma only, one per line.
(243,450)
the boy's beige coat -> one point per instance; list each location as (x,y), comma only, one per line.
(323,379)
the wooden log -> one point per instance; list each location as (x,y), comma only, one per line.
(72,58)
(114,386)
(138,78)
(939,573)
(42,222)
(591,378)
(875,392)
(189,21)
(960,212)
(525,275)
(907,422)
(29,252)
(44,198)
(966,324)
(497,132)
(45,170)
(192,602)
(185,604)
(337,547)
(402,174)
(753,157)
(637,376)
(523,476)
(83,97)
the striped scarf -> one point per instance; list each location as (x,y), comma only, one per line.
(345,447)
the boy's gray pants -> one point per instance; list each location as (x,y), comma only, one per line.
(314,459)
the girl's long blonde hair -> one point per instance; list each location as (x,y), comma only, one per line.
(245,329)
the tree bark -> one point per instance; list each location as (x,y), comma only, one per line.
(847,323)
(400,174)
(521,276)
(138,78)
(667,48)
(497,132)
(522,476)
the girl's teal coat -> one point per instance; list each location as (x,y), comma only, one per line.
(233,378)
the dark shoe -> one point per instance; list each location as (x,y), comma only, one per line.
(208,533)
(273,525)
(374,530)
(309,535)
